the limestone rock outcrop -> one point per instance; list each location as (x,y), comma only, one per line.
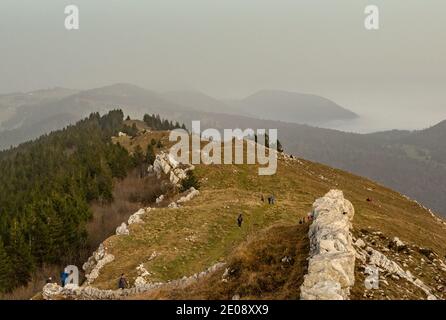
(166,164)
(159,199)
(122,230)
(142,275)
(331,262)
(51,290)
(137,216)
(191,193)
(96,262)
(398,244)
(371,257)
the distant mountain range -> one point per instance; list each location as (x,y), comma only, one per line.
(27,115)
(412,162)
(269,105)
(292,107)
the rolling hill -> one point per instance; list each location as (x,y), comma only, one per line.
(197,251)
(292,107)
(410,162)
(14,106)
(24,112)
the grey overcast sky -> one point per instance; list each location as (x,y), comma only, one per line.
(232,48)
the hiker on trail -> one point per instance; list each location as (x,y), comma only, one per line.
(271,199)
(240,220)
(122,282)
(63,278)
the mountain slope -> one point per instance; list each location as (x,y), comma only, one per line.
(410,162)
(275,105)
(46,187)
(13,106)
(200,102)
(173,243)
(293,107)
(32,121)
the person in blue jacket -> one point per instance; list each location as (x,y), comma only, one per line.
(63,278)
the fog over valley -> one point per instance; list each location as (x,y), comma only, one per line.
(393,77)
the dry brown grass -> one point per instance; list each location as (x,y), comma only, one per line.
(227,190)
(129,195)
(34,285)
(192,238)
(256,269)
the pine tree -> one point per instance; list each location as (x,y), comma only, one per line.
(150,155)
(20,256)
(134,129)
(45,189)
(6,270)
(139,159)
(138,156)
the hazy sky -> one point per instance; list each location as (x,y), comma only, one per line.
(231,48)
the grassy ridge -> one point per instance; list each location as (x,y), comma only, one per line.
(190,239)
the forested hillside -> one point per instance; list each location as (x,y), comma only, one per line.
(45,188)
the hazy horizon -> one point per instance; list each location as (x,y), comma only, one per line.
(394,77)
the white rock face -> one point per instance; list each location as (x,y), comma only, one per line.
(50,290)
(142,272)
(376,258)
(398,244)
(122,230)
(71,286)
(137,216)
(159,199)
(100,264)
(360,243)
(192,193)
(100,253)
(332,256)
(167,164)
(96,262)
(173,205)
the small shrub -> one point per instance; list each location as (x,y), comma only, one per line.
(190,181)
